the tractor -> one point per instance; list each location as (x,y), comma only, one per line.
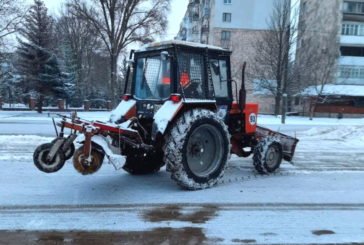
(181,113)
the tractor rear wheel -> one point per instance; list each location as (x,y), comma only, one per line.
(148,163)
(267,155)
(197,149)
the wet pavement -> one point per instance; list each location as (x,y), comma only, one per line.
(182,236)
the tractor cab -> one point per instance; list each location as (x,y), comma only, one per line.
(179,71)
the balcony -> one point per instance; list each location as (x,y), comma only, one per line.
(351,61)
(352,40)
(351,75)
(353,11)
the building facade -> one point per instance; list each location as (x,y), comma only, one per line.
(234,25)
(341,21)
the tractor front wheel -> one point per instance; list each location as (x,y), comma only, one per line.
(41,161)
(197,149)
(267,156)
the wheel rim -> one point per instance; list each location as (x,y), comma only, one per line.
(272,157)
(42,159)
(204,150)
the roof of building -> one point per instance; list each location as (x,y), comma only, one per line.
(181,43)
(335,90)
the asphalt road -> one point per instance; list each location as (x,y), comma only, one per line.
(318,200)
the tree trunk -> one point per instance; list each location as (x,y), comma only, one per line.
(113,78)
(40,104)
(313,104)
(277,107)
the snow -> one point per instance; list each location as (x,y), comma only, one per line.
(323,190)
(165,114)
(178,42)
(123,108)
(276,120)
(18,106)
(333,89)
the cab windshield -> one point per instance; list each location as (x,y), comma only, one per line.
(152,78)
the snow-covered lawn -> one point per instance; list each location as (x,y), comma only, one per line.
(24,116)
(319,199)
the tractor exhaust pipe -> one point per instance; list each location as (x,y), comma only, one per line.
(242,91)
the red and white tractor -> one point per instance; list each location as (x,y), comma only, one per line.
(180,113)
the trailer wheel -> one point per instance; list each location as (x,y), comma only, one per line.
(137,164)
(197,149)
(41,162)
(267,155)
(85,166)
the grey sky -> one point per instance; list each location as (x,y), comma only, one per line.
(178,9)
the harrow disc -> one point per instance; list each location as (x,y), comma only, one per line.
(86,166)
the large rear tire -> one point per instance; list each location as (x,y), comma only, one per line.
(197,149)
(142,164)
(43,164)
(267,156)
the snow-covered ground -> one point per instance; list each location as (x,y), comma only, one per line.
(319,199)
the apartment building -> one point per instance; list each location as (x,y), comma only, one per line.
(345,18)
(351,62)
(234,25)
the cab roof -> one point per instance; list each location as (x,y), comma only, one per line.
(172,43)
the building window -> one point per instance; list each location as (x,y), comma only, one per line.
(225,35)
(353,29)
(354,72)
(225,39)
(226,17)
(195,30)
(352,51)
(354,7)
(227,1)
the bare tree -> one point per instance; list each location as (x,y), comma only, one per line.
(80,42)
(11,14)
(122,22)
(274,48)
(318,67)
(318,51)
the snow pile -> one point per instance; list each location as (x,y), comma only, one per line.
(26,116)
(20,147)
(345,133)
(333,89)
(21,106)
(276,120)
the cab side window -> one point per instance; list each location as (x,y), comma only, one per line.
(191,75)
(219,76)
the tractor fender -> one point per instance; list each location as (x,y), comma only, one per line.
(164,116)
(125,110)
(171,110)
